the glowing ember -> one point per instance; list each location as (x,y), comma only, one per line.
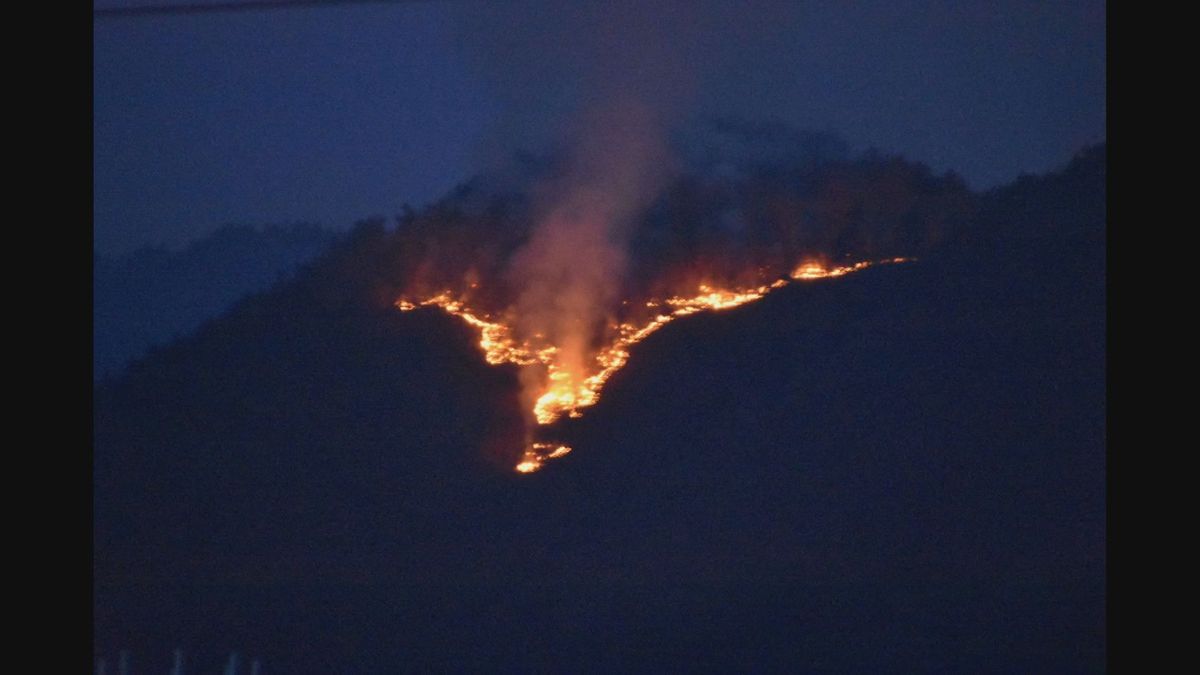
(568,388)
(539,453)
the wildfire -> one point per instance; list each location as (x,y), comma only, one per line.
(567,390)
(539,453)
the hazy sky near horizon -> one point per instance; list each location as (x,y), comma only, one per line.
(330,114)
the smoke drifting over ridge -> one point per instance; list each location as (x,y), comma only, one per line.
(610,241)
(624,69)
(941,82)
(569,275)
(639,216)
(630,224)
(560,66)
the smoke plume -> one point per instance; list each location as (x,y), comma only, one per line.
(565,262)
(611,239)
(568,278)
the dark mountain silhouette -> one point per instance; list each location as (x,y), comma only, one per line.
(899,470)
(153,295)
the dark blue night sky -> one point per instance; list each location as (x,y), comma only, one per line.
(331,114)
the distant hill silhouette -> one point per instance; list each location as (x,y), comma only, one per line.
(900,470)
(153,295)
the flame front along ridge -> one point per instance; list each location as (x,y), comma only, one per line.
(565,393)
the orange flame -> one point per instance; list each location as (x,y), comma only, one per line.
(536,455)
(566,391)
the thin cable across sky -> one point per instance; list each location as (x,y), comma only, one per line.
(211,7)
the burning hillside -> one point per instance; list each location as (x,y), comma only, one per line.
(320,443)
(562,279)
